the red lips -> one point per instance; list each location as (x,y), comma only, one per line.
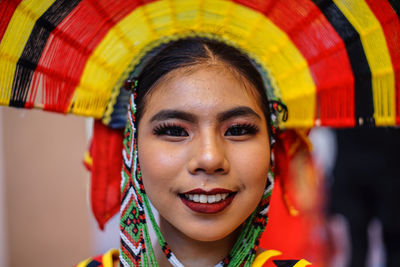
(208,208)
(211,192)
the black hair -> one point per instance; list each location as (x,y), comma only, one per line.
(193,51)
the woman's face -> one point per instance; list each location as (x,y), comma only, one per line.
(203,151)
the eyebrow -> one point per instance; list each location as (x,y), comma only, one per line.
(241,111)
(173,114)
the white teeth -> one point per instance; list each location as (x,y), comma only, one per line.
(211,199)
(203,199)
(206,198)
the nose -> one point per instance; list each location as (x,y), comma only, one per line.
(209,155)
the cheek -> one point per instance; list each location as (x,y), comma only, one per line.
(252,165)
(160,165)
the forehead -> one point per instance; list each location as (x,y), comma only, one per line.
(206,88)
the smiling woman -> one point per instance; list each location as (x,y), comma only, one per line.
(208,78)
(215,145)
(203,127)
(198,148)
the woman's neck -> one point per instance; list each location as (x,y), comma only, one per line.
(190,252)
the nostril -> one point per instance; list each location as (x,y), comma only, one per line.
(199,170)
(219,170)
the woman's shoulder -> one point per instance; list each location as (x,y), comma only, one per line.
(107,259)
(274,258)
(267,258)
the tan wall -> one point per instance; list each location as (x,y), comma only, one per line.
(3,227)
(46,212)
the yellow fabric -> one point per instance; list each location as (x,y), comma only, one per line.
(372,38)
(18,32)
(264,256)
(107,259)
(302,263)
(124,45)
(84,263)
(259,261)
(88,160)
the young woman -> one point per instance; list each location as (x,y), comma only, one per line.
(198,147)
(199,136)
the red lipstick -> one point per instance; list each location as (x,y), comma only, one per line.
(218,205)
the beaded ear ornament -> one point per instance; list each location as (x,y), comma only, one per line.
(130,85)
(278,113)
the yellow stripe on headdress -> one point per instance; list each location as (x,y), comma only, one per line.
(14,40)
(157,22)
(116,50)
(375,47)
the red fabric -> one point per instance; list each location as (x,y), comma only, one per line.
(106,149)
(295,236)
(324,51)
(7,9)
(291,145)
(76,38)
(390,25)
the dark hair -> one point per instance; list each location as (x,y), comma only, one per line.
(191,52)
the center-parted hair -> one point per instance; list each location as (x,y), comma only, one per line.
(136,245)
(198,51)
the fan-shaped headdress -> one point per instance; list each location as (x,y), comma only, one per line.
(333,63)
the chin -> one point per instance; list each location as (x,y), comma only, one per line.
(208,232)
(207,236)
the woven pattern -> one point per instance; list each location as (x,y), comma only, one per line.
(133,221)
(334,63)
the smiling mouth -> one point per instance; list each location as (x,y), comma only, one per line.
(207,202)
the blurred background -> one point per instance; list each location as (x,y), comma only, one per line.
(45,217)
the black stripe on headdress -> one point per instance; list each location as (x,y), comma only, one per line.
(34,47)
(364,106)
(396,6)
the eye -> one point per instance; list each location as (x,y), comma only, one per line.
(170,130)
(241,129)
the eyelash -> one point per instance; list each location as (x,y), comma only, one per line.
(249,129)
(167,128)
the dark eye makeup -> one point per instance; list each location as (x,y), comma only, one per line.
(240,129)
(175,130)
(170,129)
